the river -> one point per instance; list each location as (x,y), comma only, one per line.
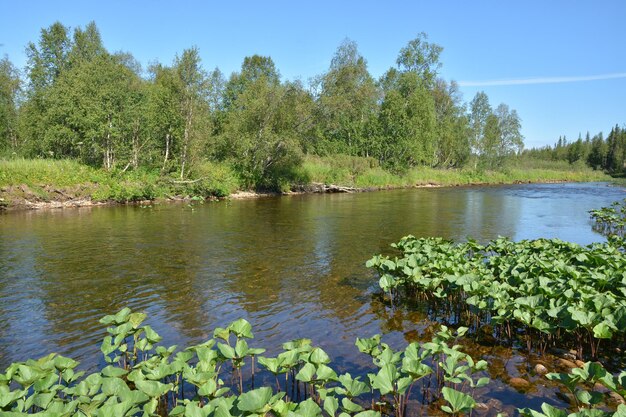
(293,266)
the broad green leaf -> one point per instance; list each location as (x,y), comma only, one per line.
(331,405)
(385,379)
(306,373)
(350,406)
(459,402)
(602,331)
(113,371)
(308,408)
(153,388)
(255,400)
(241,328)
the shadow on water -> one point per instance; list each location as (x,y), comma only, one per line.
(292,266)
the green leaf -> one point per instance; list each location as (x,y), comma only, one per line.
(350,406)
(368,413)
(331,404)
(135,319)
(459,402)
(221,333)
(226,351)
(241,328)
(602,331)
(241,348)
(118,318)
(113,371)
(153,388)
(255,400)
(306,373)
(114,386)
(151,335)
(208,388)
(308,408)
(326,373)
(385,379)
(319,356)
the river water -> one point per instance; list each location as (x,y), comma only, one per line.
(293,266)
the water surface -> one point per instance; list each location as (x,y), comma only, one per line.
(293,266)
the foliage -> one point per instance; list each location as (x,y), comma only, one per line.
(10,87)
(544,291)
(144,378)
(406,125)
(587,388)
(610,221)
(596,152)
(83,102)
(66,179)
(495,134)
(346,104)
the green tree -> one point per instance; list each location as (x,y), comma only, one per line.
(406,125)
(10,87)
(46,61)
(49,58)
(480,110)
(598,152)
(452,131)
(86,45)
(346,103)
(253,68)
(616,150)
(89,112)
(490,145)
(576,151)
(422,58)
(165,121)
(511,139)
(193,105)
(260,133)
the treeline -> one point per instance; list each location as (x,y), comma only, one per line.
(597,152)
(78,100)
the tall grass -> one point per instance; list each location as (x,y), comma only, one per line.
(44,178)
(34,172)
(365,173)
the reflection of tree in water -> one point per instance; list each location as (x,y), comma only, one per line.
(145,263)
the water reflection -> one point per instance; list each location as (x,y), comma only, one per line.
(293,266)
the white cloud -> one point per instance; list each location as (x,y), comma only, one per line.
(543,80)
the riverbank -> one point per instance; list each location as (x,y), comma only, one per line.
(36,184)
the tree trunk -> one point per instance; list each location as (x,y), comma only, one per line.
(187,133)
(167,150)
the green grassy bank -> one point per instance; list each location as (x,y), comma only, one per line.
(32,182)
(364,173)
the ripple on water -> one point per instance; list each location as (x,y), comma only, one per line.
(293,267)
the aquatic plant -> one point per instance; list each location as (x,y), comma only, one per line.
(543,292)
(143,378)
(611,220)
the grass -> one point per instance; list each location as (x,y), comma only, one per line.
(51,180)
(366,174)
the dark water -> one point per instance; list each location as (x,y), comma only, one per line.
(293,266)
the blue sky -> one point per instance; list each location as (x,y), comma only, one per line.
(570,54)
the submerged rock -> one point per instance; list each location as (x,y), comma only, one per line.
(566,363)
(516,382)
(540,369)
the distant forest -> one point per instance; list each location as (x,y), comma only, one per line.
(77,100)
(597,152)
